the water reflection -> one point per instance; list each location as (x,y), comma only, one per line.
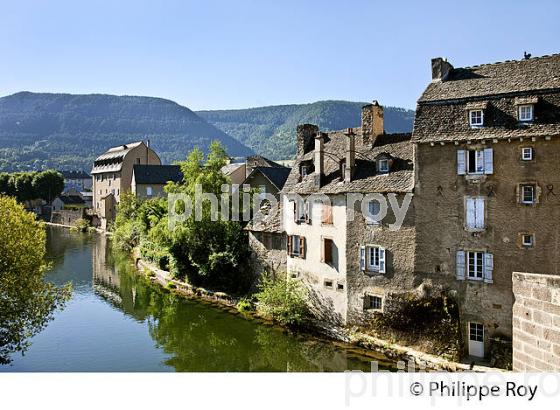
(119,321)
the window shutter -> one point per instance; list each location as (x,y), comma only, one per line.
(362,258)
(302,247)
(308,212)
(488,161)
(471,212)
(327,246)
(479,211)
(488,267)
(460,259)
(289,244)
(381,260)
(294,208)
(461,163)
(323,249)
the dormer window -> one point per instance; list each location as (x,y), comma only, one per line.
(304,171)
(476,118)
(383,165)
(525,113)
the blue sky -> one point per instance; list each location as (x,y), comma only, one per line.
(235,54)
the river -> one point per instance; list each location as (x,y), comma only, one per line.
(117,320)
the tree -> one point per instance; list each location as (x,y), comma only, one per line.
(26,301)
(48,185)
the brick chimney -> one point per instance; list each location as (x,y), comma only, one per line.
(305,135)
(372,122)
(440,69)
(319,159)
(350,155)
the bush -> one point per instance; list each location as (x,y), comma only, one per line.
(82,225)
(126,235)
(245,305)
(286,301)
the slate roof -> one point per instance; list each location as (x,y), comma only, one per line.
(111,160)
(230,168)
(260,161)
(266,222)
(72,199)
(276,175)
(538,73)
(75,174)
(157,174)
(365,180)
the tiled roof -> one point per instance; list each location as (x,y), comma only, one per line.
(539,73)
(276,175)
(399,179)
(157,174)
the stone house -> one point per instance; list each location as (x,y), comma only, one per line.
(76,180)
(112,176)
(238,172)
(487,190)
(148,181)
(349,260)
(268,180)
(70,201)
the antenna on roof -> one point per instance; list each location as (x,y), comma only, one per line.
(526,55)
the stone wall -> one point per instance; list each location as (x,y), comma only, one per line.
(536,322)
(67,216)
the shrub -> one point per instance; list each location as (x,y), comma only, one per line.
(245,305)
(286,301)
(82,225)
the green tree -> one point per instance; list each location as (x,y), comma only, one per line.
(26,301)
(47,185)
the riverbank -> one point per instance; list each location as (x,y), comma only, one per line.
(90,228)
(377,348)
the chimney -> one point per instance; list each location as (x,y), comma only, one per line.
(350,155)
(148,143)
(440,69)
(372,122)
(319,159)
(305,135)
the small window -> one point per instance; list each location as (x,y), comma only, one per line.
(374,209)
(304,171)
(262,191)
(327,253)
(527,240)
(296,248)
(475,265)
(475,163)
(295,245)
(339,286)
(527,194)
(342,169)
(149,191)
(525,113)
(474,213)
(527,154)
(137,160)
(383,165)
(476,332)
(327,214)
(328,284)
(476,118)
(373,302)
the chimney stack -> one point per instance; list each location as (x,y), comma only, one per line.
(305,135)
(372,122)
(440,69)
(319,159)
(350,155)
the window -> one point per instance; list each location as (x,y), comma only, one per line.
(340,286)
(374,210)
(304,171)
(342,166)
(372,259)
(326,214)
(474,213)
(262,191)
(525,113)
(148,191)
(299,211)
(476,118)
(475,161)
(527,154)
(475,265)
(527,194)
(383,165)
(527,240)
(373,302)
(296,246)
(328,284)
(137,160)
(327,251)
(476,332)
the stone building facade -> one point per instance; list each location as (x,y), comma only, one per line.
(536,322)
(112,176)
(348,261)
(487,190)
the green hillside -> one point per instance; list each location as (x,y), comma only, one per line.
(67,131)
(270,131)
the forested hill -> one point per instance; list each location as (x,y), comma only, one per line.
(68,131)
(271,131)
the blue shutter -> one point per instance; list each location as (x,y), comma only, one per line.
(460,265)
(488,161)
(488,267)
(461,162)
(362,258)
(381,260)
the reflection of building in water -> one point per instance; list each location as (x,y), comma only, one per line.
(106,280)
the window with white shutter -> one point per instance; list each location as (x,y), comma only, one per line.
(362,258)
(475,161)
(474,213)
(488,267)
(460,265)
(488,161)
(372,259)
(461,162)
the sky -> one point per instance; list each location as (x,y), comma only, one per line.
(211,54)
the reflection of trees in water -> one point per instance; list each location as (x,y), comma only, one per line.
(203,338)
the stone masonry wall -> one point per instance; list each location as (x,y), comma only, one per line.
(536,322)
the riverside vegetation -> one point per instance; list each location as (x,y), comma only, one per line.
(202,252)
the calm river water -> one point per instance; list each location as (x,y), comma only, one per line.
(118,321)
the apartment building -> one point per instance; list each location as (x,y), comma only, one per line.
(112,176)
(487,189)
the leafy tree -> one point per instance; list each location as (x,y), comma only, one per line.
(23,184)
(48,185)
(286,301)
(26,301)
